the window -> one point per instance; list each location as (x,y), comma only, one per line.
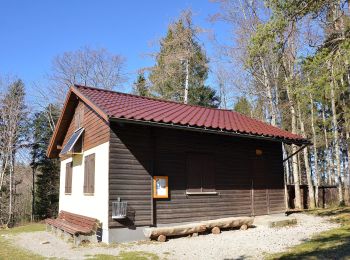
(200,173)
(89,174)
(68,180)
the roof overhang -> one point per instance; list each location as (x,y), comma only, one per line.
(302,142)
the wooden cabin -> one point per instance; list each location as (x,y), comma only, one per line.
(133,162)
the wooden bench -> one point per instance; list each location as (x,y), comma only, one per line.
(73,225)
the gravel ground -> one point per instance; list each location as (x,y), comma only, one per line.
(253,243)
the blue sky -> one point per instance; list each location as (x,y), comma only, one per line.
(33,32)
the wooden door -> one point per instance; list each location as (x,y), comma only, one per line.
(260,195)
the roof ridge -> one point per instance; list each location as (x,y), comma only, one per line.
(152,98)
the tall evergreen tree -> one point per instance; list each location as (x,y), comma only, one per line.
(47,170)
(182,66)
(140,86)
(243,106)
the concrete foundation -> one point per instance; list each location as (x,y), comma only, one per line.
(125,234)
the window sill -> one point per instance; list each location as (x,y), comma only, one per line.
(202,193)
(67,193)
(89,194)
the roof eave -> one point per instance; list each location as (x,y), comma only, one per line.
(214,131)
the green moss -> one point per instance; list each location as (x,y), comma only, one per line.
(331,244)
(132,255)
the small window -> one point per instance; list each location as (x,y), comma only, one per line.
(89,174)
(68,180)
(200,173)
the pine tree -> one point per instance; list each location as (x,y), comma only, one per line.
(47,179)
(140,86)
(182,65)
(243,106)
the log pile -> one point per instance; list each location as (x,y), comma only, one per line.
(215,226)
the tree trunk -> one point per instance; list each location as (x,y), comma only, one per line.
(336,139)
(186,82)
(33,194)
(329,166)
(310,184)
(314,139)
(267,84)
(10,190)
(296,174)
(286,177)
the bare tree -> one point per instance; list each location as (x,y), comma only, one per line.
(86,66)
(12,129)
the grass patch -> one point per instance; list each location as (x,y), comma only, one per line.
(23,229)
(132,255)
(331,244)
(9,251)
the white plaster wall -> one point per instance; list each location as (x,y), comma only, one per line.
(95,206)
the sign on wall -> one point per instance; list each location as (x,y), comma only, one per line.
(160,187)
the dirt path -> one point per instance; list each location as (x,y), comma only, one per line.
(253,243)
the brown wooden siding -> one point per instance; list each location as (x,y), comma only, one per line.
(138,152)
(96,128)
(130,165)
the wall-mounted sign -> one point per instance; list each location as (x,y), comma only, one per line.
(160,187)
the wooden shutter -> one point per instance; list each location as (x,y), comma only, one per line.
(89,174)
(208,173)
(194,173)
(68,179)
(200,172)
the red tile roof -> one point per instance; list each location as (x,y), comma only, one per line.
(126,106)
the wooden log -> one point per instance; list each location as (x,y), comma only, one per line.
(174,230)
(229,222)
(191,228)
(244,227)
(161,238)
(215,230)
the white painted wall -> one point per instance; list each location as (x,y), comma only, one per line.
(95,206)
